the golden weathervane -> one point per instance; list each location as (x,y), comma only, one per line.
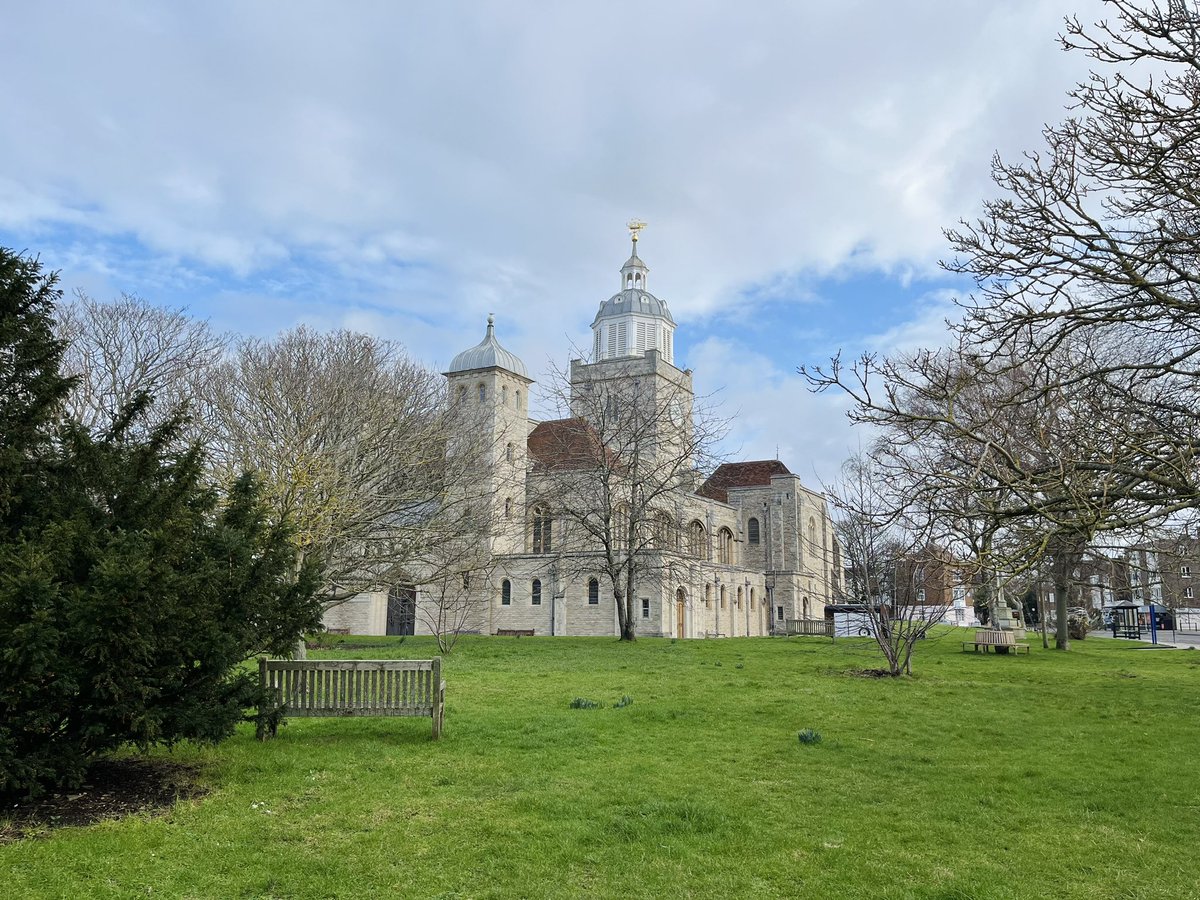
(634,226)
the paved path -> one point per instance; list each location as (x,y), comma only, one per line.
(1166,638)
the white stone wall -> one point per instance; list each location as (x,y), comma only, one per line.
(363,614)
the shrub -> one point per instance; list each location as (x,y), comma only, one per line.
(1077,627)
(585,703)
(808,736)
(623,702)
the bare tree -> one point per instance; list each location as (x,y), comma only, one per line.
(452,604)
(128,347)
(1099,230)
(358,446)
(614,472)
(1014,455)
(875,528)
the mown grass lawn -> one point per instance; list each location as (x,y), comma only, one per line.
(1053,775)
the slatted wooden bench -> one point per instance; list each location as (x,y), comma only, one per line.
(514,632)
(818,627)
(352,687)
(995,639)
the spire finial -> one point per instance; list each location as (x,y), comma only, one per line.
(491,324)
(634,226)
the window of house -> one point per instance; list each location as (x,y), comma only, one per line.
(462,394)
(543,530)
(645,608)
(535,593)
(593,591)
(620,525)
(1187,592)
(697,542)
(779,613)
(752,531)
(722,596)
(739,598)
(504,395)
(506,593)
(1185,571)
(752,598)
(508,452)
(920,595)
(508,507)
(725,546)
(517,400)
(664,532)
(708,596)
(482,393)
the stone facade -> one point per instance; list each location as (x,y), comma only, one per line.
(748,548)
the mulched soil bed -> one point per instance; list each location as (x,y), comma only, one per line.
(114,788)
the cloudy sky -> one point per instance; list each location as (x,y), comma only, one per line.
(407,168)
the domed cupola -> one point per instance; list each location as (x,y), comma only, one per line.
(633,321)
(488,354)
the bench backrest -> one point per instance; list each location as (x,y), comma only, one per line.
(995,637)
(352,684)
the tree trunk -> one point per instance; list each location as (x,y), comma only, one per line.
(1065,560)
(628,632)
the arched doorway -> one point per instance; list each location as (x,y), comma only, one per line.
(402,610)
(680,613)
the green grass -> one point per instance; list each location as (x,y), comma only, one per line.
(1053,775)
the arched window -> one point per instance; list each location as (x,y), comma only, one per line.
(739,597)
(664,533)
(708,596)
(508,507)
(535,592)
(722,596)
(812,535)
(506,593)
(725,546)
(462,394)
(508,452)
(593,591)
(752,598)
(543,530)
(482,393)
(620,525)
(752,531)
(504,395)
(517,400)
(697,540)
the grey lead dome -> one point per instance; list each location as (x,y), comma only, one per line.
(633,301)
(488,354)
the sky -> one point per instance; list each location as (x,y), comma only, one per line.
(406,169)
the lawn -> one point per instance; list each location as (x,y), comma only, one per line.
(1052,775)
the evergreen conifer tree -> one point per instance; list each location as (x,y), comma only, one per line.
(130,590)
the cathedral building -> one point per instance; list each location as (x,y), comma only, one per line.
(736,554)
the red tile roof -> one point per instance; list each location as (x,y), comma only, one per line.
(743,474)
(565,444)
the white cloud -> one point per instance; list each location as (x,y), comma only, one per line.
(451,159)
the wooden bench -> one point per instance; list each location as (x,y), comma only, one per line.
(992,638)
(514,632)
(351,687)
(817,627)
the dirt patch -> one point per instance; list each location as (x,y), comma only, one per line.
(114,788)
(870,673)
